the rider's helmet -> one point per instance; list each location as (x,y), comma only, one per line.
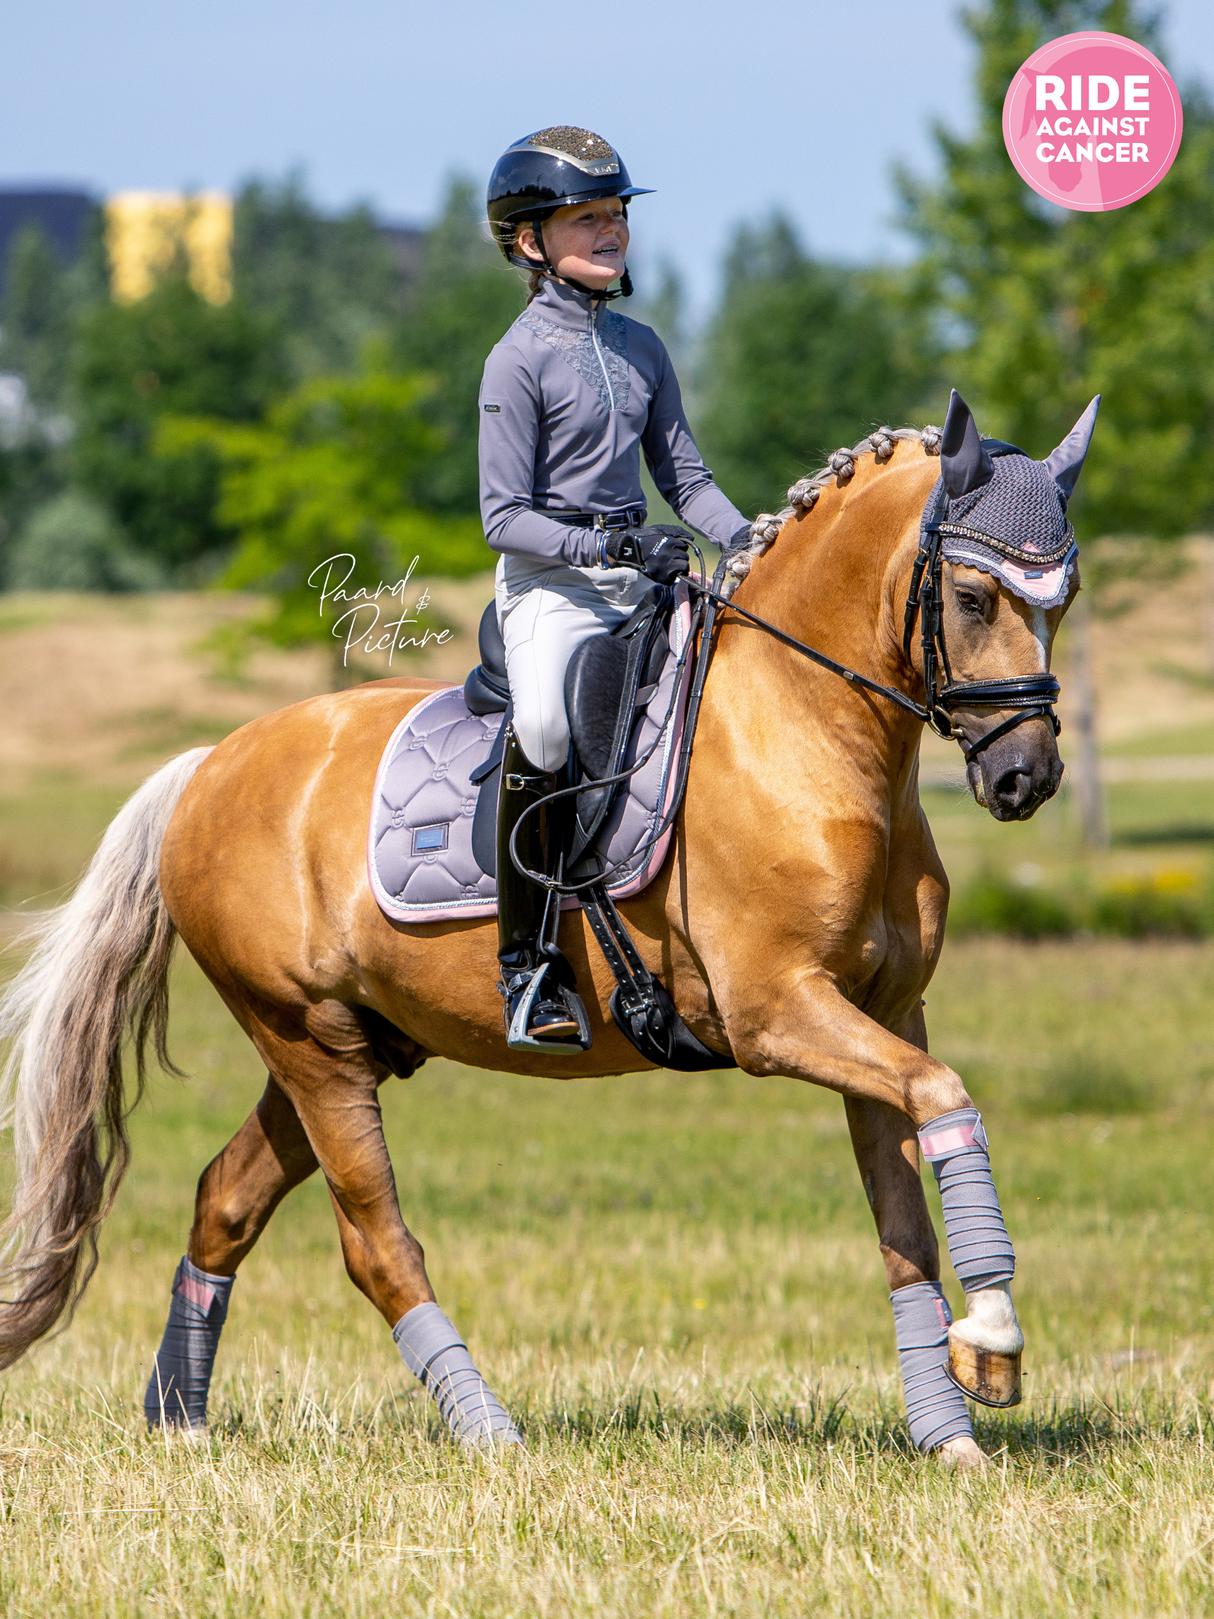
(552,169)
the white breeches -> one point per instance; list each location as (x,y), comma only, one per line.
(546,610)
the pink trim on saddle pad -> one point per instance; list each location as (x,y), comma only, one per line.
(957,1138)
(199,1295)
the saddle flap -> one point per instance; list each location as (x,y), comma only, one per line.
(610,678)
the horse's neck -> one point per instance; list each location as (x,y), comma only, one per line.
(840,588)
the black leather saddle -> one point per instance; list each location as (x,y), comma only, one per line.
(609,682)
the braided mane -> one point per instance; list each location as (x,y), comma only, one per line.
(803,495)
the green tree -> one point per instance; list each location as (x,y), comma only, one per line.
(464,299)
(325,286)
(801,357)
(43,304)
(337,471)
(1056,305)
(171,353)
(36,322)
(72,543)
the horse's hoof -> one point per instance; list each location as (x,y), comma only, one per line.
(990,1376)
(963,1455)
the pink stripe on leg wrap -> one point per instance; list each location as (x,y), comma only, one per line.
(957,1138)
(201,1296)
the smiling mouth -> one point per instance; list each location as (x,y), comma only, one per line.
(606,252)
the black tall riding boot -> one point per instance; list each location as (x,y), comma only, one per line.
(542,1008)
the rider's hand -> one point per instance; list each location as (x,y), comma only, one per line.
(659,551)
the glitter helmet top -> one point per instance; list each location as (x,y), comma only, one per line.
(550,169)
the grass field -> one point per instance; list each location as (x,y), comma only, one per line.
(673,1281)
(675,1284)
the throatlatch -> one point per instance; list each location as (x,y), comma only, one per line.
(177,1390)
(436,1354)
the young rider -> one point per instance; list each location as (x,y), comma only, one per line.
(571,395)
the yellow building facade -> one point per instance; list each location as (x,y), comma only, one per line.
(146,232)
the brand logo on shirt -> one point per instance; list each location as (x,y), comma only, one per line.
(493,409)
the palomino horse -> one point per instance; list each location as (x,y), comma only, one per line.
(796,922)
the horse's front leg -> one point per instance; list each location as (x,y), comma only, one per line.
(812,1032)
(887,1156)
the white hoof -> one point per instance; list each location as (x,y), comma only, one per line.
(990,1321)
(963,1454)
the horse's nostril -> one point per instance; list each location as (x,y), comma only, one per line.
(1014,787)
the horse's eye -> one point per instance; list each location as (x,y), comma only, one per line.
(968,603)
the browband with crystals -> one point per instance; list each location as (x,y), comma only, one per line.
(1016,553)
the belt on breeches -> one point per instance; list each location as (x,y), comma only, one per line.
(620,517)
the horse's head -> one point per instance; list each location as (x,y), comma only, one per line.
(1008,570)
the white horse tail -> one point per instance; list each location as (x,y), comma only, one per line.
(98,973)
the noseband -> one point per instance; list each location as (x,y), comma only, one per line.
(1031,696)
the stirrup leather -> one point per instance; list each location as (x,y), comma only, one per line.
(518,1038)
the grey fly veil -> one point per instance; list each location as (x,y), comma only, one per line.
(1002,512)
(995,509)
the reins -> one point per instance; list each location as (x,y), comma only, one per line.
(1030,696)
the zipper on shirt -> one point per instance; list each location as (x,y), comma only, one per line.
(594,337)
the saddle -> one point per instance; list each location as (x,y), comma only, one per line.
(432,833)
(610,681)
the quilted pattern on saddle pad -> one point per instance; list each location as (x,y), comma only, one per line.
(419,841)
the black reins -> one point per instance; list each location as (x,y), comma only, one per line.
(1029,696)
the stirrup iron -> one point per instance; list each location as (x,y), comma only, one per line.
(517,1037)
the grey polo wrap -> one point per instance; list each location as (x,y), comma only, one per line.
(981,1251)
(436,1354)
(935,1406)
(177,1390)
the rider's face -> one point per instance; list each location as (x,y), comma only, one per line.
(586,242)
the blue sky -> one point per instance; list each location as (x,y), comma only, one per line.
(728,109)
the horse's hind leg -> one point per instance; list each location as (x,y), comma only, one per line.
(237,1193)
(887,1155)
(334,1092)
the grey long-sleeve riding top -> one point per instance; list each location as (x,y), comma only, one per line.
(570,396)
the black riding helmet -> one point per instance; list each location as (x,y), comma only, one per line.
(551,169)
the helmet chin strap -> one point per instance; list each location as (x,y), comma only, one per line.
(624,290)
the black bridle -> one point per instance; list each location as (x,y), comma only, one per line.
(1030,696)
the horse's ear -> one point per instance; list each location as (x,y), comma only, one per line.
(964,463)
(1066,462)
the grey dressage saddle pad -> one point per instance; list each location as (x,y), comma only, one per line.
(420,858)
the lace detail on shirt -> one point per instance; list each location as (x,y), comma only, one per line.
(578,350)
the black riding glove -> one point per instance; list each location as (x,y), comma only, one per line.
(659,551)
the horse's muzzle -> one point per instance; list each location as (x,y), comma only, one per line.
(1018,772)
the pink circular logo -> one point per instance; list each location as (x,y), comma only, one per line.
(1092,121)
